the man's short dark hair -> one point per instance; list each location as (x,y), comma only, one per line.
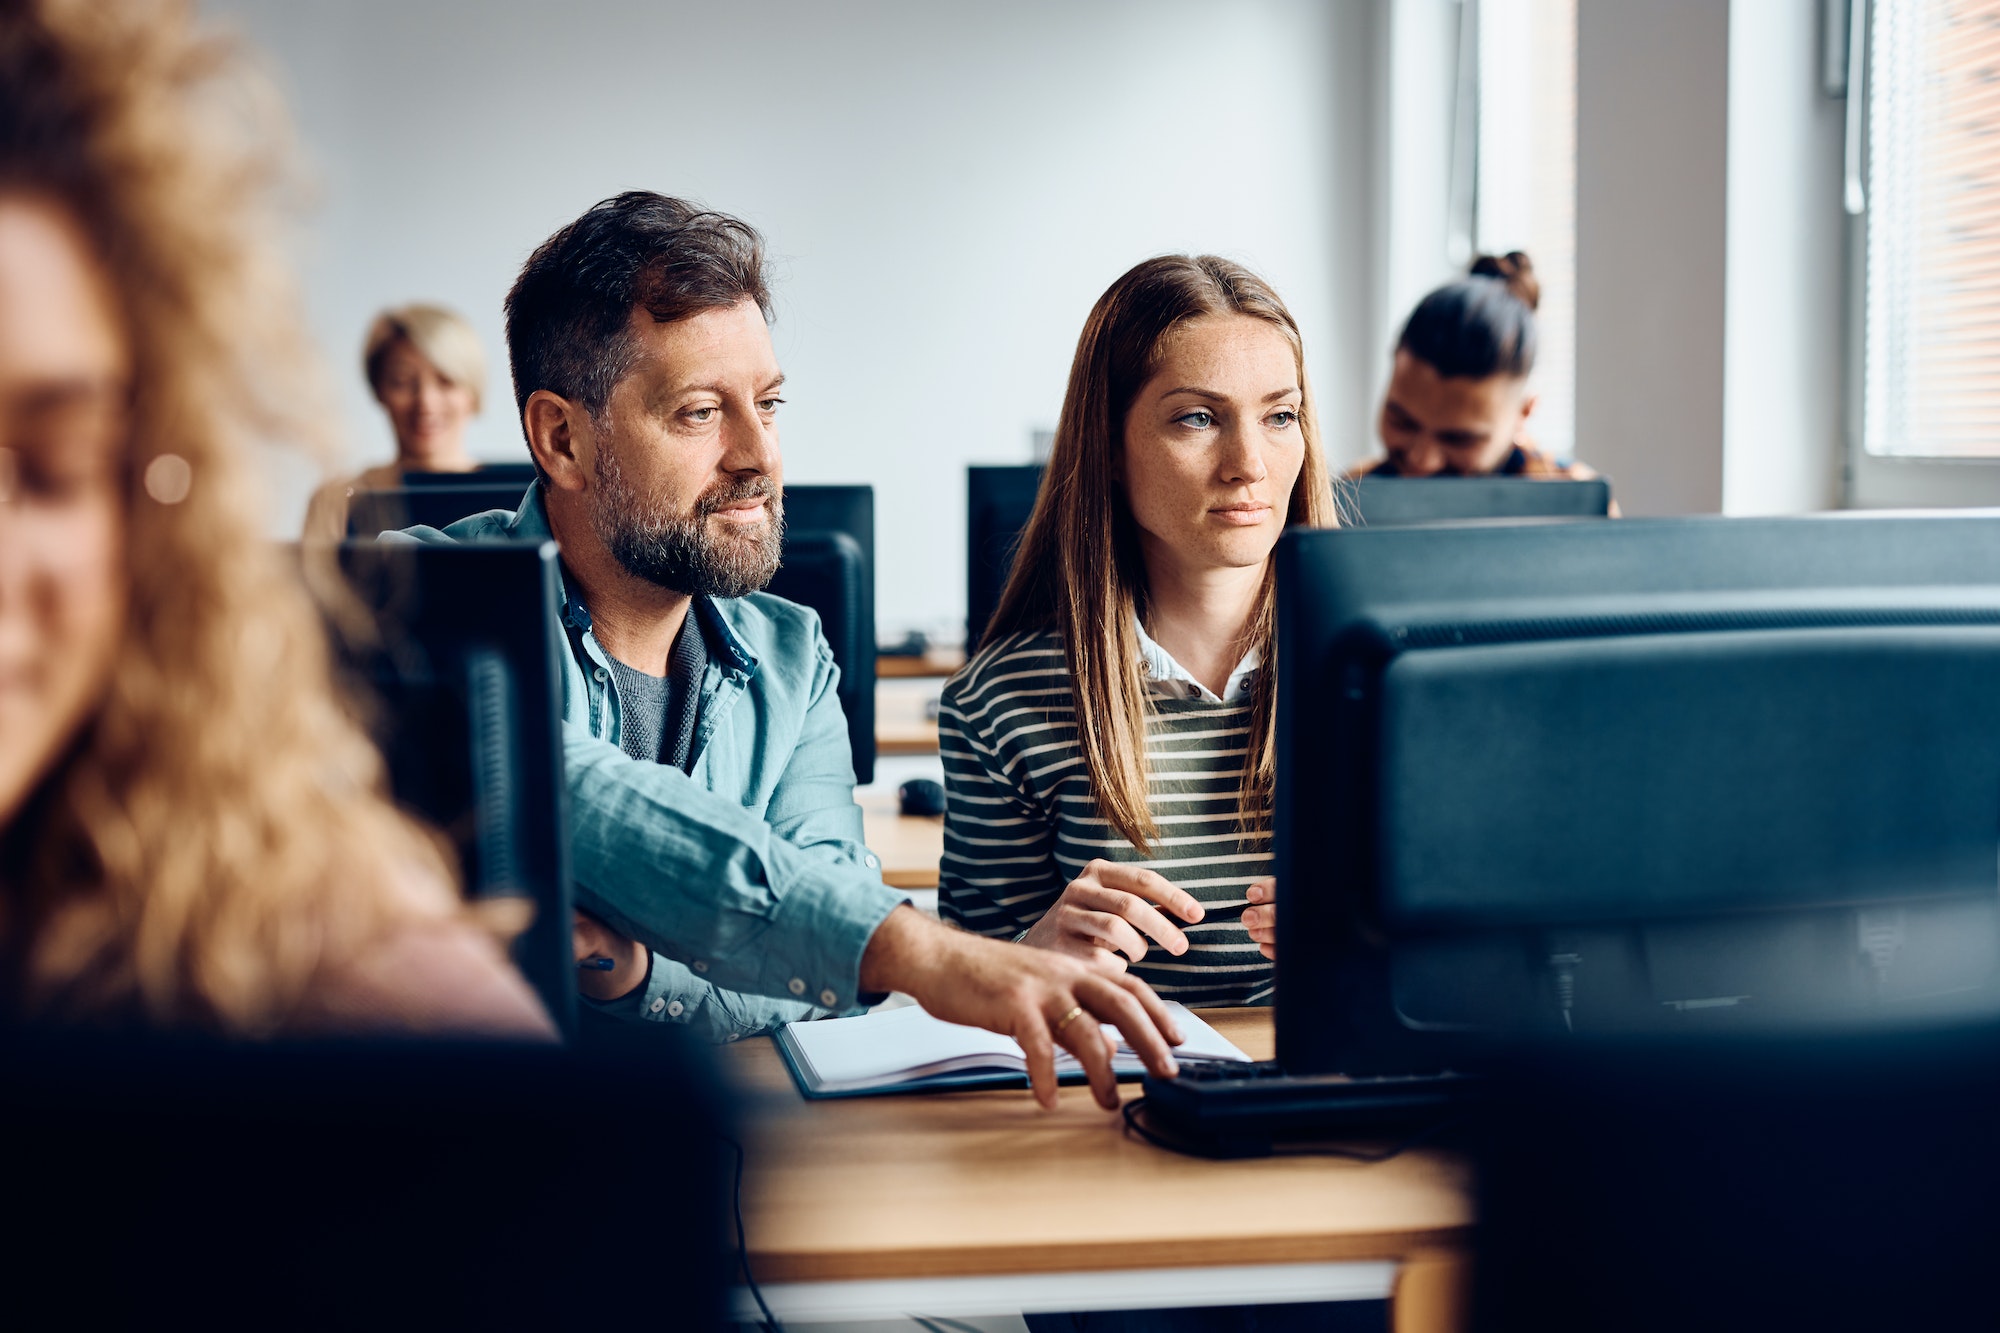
(569,313)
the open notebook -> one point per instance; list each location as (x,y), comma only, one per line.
(906,1050)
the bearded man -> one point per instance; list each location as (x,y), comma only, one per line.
(717,848)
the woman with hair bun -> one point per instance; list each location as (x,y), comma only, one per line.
(1458,401)
(194,834)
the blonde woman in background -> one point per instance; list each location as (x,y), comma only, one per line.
(427,369)
(193,834)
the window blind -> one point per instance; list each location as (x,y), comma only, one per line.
(1932,322)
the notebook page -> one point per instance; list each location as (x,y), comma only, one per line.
(888,1046)
(896,1044)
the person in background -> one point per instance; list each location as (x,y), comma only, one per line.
(193,833)
(1109,754)
(717,848)
(426,368)
(1459,402)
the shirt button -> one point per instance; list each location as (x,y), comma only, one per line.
(870,862)
(796,986)
(599,673)
(732,1036)
(657,1005)
(676,1009)
(701,965)
(828,998)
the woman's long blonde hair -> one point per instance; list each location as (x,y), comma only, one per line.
(1078,570)
(216,834)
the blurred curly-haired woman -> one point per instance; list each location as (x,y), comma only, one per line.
(192,831)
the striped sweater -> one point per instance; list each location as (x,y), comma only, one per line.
(1020,822)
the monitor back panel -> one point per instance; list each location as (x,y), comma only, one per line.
(998,502)
(1636,775)
(371,513)
(829,565)
(467,697)
(1384,502)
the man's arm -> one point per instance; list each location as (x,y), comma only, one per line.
(661,860)
(700,879)
(623,979)
(812,804)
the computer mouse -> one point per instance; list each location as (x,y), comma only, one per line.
(921,796)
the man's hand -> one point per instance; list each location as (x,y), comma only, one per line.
(592,941)
(1261,917)
(1026,994)
(1106,914)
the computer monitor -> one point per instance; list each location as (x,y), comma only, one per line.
(829,565)
(1832,1181)
(517,475)
(998,501)
(1381,502)
(371,513)
(1669,774)
(351,1184)
(462,686)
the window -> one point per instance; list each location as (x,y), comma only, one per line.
(1525,197)
(1931,322)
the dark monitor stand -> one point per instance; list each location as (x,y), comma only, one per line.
(998,501)
(829,565)
(468,706)
(1382,502)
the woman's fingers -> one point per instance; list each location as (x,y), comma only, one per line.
(1148,884)
(1262,923)
(1108,930)
(1130,907)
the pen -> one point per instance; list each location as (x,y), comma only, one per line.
(599,964)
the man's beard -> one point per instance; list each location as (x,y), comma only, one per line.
(677,551)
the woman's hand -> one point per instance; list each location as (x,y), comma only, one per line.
(594,941)
(1261,917)
(1107,913)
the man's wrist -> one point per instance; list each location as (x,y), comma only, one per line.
(903,949)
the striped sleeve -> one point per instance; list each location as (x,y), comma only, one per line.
(999,872)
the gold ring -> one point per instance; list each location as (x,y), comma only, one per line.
(1075,1012)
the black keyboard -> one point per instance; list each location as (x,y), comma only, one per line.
(1260,1102)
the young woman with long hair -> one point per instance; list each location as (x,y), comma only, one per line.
(193,833)
(1108,752)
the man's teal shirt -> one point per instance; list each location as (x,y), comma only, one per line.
(748,877)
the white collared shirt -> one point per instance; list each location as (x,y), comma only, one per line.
(1167,678)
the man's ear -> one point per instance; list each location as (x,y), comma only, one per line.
(1528,402)
(559,437)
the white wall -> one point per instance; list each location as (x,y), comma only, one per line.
(1652,97)
(1783,372)
(947,187)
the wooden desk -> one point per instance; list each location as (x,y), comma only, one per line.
(910,846)
(902,721)
(980,1203)
(937,662)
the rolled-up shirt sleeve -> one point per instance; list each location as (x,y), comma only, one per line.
(706,883)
